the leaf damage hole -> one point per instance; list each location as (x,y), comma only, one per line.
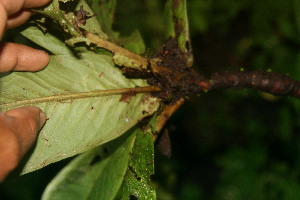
(188,46)
(137,177)
(144,112)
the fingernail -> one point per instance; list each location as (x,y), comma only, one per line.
(43,118)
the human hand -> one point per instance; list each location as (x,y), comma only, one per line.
(18,127)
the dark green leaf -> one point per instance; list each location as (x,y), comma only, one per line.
(97,174)
(137,182)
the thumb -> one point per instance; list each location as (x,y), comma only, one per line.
(18,131)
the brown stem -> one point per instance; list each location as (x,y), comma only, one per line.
(168,111)
(271,82)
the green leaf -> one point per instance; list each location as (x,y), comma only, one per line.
(68,20)
(47,41)
(168,20)
(77,96)
(105,14)
(177,26)
(97,174)
(137,180)
(296,6)
(120,167)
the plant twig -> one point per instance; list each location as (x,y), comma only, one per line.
(168,111)
(122,56)
(271,82)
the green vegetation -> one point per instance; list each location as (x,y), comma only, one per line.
(226,145)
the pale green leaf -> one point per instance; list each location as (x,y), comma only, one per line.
(78,121)
(81,93)
(97,174)
(68,19)
(47,41)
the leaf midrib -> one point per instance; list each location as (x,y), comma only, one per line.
(81,95)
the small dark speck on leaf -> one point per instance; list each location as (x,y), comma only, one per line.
(134,173)
(126,97)
(92,108)
(101,74)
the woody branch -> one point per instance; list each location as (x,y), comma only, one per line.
(271,82)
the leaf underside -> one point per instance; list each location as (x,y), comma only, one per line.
(76,122)
(75,125)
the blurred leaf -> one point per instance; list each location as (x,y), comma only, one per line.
(296,6)
(105,14)
(168,20)
(197,12)
(133,43)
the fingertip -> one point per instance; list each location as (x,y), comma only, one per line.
(19,128)
(30,59)
(34,4)
(28,117)
(17,57)
(18,19)
(40,61)
(43,118)
(3,19)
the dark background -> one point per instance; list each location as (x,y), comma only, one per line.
(227,145)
